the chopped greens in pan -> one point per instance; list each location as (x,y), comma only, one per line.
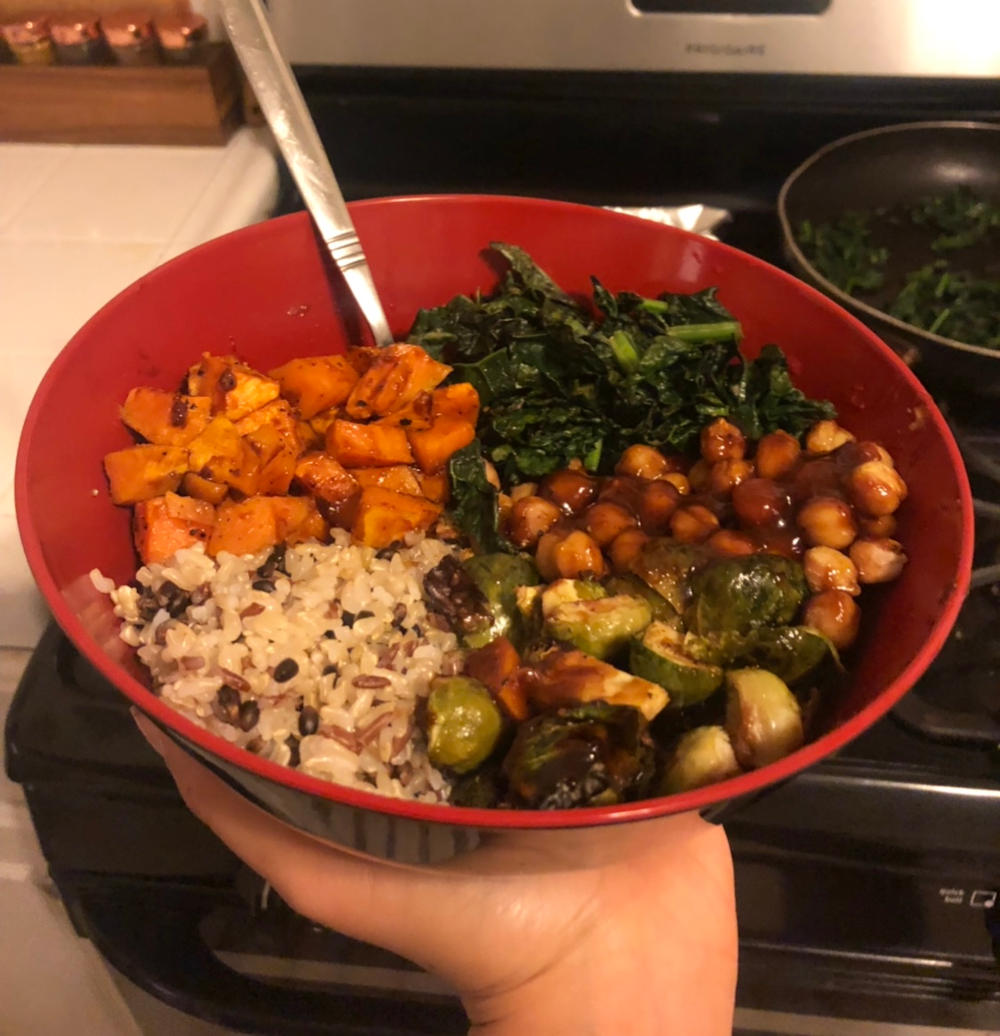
(955,293)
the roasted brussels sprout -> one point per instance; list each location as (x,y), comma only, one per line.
(702,756)
(660,608)
(667,566)
(562,591)
(790,652)
(658,656)
(568,677)
(743,593)
(462,723)
(584,755)
(497,577)
(603,627)
(763,719)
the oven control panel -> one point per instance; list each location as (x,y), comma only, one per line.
(926,38)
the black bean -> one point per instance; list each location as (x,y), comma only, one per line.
(388,552)
(308,721)
(365,614)
(275,562)
(331,669)
(227,380)
(293,746)
(200,594)
(329,635)
(255,744)
(347,618)
(263,584)
(173,598)
(249,713)
(226,704)
(285,670)
(418,630)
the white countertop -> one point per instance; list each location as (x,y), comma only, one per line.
(78,224)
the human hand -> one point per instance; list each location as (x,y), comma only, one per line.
(604,930)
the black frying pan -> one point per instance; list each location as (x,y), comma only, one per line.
(881,168)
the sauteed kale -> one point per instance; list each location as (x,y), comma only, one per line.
(952,294)
(560,381)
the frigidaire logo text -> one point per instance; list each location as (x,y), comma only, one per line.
(728,50)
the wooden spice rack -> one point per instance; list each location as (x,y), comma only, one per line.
(117,104)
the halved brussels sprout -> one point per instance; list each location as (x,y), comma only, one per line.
(562,591)
(744,593)
(662,610)
(601,628)
(498,576)
(763,718)
(702,756)
(568,677)
(462,723)
(790,652)
(585,755)
(667,566)
(658,656)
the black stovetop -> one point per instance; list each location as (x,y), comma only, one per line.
(867,886)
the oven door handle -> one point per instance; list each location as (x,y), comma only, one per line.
(153,937)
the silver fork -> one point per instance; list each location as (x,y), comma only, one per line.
(285,109)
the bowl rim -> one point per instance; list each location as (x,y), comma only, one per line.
(850,301)
(482,818)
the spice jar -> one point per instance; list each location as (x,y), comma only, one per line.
(183,38)
(131,38)
(77,38)
(29,39)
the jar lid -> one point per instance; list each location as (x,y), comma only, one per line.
(26,30)
(177,31)
(127,27)
(74,27)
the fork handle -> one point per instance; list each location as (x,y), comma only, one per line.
(288,116)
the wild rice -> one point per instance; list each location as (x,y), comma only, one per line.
(322,668)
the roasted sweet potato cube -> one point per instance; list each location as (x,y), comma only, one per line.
(309,437)
(322,422)
(277,460)
(373,445)
(165,418)
(458,400)
(433,446)
(234,388)
(315,383)
(204,488)
(435,487)
(144,471)
(493,663)
(416,414)
(165,524)
(399,478)
(383,516)
(324,476)
(244,526)
(513,697)
(298,519)
(397,375)
(362,357)
(279,415)
(221,454)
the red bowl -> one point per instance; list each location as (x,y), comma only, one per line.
(265,293)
